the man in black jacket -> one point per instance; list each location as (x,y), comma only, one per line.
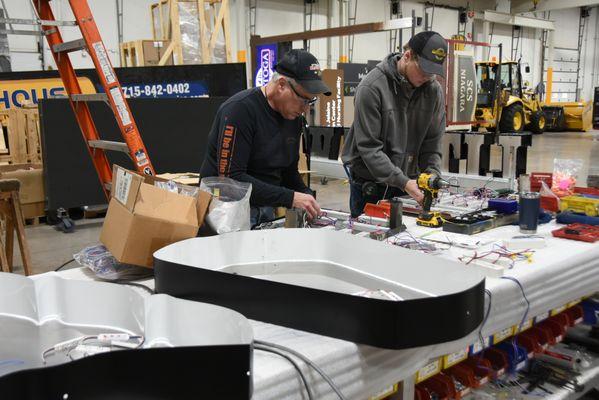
(255,137)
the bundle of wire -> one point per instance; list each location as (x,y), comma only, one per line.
(406,240)
(102,340)
(321,221)
(497,253)
(465,198)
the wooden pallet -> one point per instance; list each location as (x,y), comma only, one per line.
(95,211)
(20,138)
(33,212)
(210,15)
(143,53)
(34,221)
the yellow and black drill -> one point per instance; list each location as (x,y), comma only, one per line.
(430,185)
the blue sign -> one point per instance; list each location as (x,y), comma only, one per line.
(266,59)
(166,89)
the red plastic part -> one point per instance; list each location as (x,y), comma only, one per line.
(556,329)
(583,190)
(549,203)
(380,210)
(498,360)
(537,177)
(544,335)
(576,314)
(529,341)
(482,368)
(421,393)
(586,233)
(442,385)
(464,374)
(563,319)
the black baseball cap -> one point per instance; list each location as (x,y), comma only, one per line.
(431,49)
(305,69)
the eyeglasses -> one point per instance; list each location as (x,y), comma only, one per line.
(307,101)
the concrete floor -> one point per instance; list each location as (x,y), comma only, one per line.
(50,248)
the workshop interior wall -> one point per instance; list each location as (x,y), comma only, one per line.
(24,49)
(276,17)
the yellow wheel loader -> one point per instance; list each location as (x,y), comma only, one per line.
(501,99)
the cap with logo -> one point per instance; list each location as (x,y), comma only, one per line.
(431,49)
(305,69)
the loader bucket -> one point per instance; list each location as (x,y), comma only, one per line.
(579,115)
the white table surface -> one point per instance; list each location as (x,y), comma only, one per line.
(562,272)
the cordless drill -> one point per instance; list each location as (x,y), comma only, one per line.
(430,185)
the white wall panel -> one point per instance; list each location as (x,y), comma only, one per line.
(286,16)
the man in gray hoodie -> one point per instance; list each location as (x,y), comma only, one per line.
(398,122)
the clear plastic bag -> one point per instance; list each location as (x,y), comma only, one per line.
(191,191)
(169,186)
(174,187)
(98,259)
(190,32)
(190,35)
(229,209)
(545,191)
(565,174)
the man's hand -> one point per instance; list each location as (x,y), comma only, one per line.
(414,191)
(306,202)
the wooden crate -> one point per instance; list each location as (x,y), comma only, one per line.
(143,53)
(20,138)
(32,192)
(210,15)
(33,212)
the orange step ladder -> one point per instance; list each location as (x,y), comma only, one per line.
(113,93)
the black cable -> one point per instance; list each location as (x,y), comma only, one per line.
(510,278)
(480,331)
(515,338)
(64,265)
(288,358)
(307,361)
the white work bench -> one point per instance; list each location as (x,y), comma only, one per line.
(558,275)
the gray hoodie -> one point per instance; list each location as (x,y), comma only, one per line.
(397,128)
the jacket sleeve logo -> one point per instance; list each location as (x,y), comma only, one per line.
(226,150)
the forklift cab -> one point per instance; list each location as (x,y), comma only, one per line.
(510,81)
(485,75)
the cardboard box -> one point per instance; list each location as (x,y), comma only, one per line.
(153,50)
(31,178)
(184,178)
(143,218)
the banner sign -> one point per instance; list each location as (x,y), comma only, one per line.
(223,80)
(464,87)
(353,73)
(266,59)
(331,107)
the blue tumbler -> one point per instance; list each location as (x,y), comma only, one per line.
(529,207)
